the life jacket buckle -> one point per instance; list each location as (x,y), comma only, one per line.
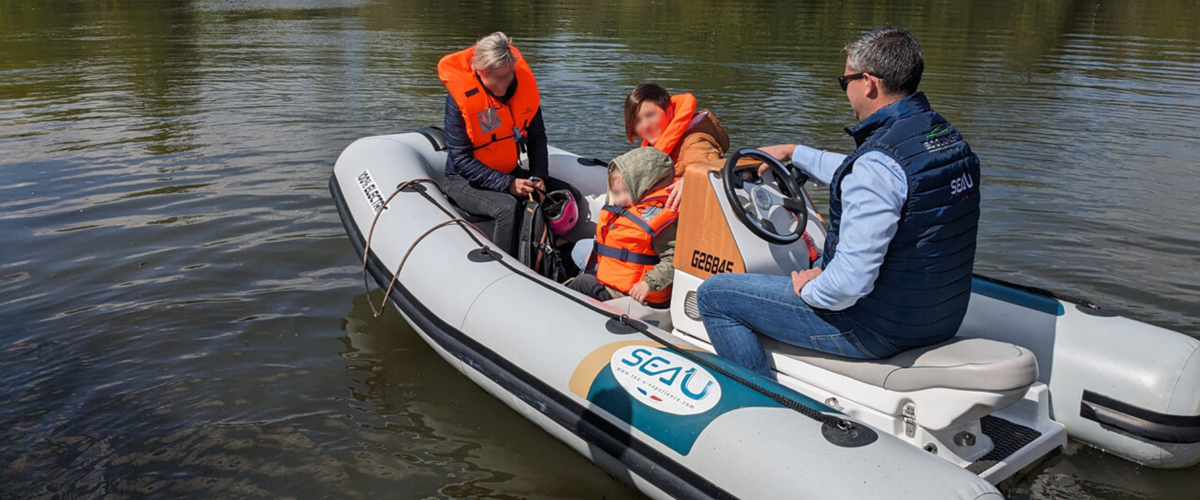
(520,139)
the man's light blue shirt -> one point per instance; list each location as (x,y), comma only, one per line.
(873,194)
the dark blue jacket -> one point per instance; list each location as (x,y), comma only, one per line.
(924,283)
(461,163)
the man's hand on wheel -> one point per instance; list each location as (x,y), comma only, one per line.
(781,152)
(520,187)
(801,278)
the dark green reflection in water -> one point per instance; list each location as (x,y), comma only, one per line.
(182,315)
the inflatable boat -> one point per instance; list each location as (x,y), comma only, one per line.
(640,392)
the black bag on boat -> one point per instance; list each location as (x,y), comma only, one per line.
(535,244)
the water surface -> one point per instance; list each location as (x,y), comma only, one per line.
(181,314)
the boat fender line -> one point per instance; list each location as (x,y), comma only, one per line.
(838,431)
(395,275)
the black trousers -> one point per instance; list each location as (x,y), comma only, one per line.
(587,284)
(502,207)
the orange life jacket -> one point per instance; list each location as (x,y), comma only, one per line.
(624,253)
(496,129)
(679,120)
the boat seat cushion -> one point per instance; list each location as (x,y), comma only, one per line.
(959,363)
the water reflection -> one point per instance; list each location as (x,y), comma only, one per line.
(423,398)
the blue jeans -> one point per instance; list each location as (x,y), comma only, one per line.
(581,251)
(735,306)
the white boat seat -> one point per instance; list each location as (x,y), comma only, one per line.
(971,364)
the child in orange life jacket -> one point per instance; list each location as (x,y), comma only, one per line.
(618,194)
(635,236)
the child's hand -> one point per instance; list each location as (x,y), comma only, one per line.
(639,291)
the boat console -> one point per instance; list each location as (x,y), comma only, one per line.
(946,398)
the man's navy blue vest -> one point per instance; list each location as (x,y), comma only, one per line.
(924,283)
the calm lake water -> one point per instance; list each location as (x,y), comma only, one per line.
(181,313)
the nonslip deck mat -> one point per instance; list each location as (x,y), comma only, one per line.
(1007,438)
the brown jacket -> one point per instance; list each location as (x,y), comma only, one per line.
(705,141)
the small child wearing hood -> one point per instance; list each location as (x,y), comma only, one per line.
(635,238)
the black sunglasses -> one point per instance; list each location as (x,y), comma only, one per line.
(845,80)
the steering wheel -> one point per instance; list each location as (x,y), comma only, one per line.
(777,201)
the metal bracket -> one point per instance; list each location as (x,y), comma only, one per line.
(910,420)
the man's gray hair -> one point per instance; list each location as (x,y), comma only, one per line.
(890,54)
(493,52)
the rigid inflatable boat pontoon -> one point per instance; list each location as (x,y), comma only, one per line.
(639,392)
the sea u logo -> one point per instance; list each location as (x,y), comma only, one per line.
(664,380)
(961,184)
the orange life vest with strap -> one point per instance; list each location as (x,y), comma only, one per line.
(679,120)
(496,129)
(624,253)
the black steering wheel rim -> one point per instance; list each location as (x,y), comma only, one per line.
(782,176)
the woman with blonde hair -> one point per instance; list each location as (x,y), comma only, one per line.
(493,114)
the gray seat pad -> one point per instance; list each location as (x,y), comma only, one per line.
(959,363)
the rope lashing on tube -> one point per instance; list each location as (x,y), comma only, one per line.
(376,312)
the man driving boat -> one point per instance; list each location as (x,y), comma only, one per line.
(904,213)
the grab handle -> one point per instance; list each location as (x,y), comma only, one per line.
(1140,422)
